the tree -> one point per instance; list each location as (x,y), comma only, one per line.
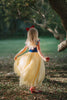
(44,17)
(37,12)
(12,11)
(60,6)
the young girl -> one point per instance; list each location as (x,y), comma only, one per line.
(30,66)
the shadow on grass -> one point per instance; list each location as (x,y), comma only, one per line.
(57,70)
(53,82)
(54,96)
(57,94)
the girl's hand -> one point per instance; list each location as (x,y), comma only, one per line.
(15,57)
(46,59)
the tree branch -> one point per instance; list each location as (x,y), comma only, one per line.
(62,46)
(43,25)
(56,34)
(39,12)
(42,2)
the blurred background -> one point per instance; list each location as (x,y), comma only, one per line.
(15,17)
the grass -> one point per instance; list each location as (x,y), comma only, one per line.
(54,86)
(11,47)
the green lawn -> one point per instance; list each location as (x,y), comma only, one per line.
(11,47)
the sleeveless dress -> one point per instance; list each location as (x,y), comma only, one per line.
(30,67)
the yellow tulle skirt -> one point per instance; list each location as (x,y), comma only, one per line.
(30,67)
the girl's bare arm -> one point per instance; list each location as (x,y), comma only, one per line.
(20,52)
(40,53)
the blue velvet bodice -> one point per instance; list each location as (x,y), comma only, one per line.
(33,50)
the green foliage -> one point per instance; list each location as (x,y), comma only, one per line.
(12,15)
(16,15)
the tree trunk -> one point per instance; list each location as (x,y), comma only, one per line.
(60,6)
